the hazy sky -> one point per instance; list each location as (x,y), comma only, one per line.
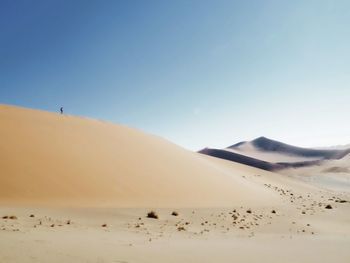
(199,73)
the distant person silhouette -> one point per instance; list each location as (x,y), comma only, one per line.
(61,110)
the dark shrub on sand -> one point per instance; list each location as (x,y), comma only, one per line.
(152,214)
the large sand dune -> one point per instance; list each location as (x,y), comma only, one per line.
(273,155)
(47,158)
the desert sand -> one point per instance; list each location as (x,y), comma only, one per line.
(272,155)
(74,189)
(249,149)
(330,174)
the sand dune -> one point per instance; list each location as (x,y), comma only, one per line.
(272,155)
(241,158)
(268,145)
(330,174)
(47,158)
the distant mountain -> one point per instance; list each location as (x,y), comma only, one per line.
(272,155)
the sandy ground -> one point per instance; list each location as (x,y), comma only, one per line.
(299,229)
(79,190)
(302,231)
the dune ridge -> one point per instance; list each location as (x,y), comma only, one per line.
(273,155)
(266,144)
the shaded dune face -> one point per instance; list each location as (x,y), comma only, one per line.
(272,155)
(240,158)
(48,158)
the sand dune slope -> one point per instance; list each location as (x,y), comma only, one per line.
(331,174)
(47,158)
(273,155)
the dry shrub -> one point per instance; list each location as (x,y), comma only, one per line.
(152,214)
(181,228)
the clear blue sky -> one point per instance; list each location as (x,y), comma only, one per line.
(199,73)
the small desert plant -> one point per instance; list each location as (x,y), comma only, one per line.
(174,213)
(181,228)
(13,217)
(328,207)
(31,215)
(104,225)
(152,214)
(5,217)
(273,211)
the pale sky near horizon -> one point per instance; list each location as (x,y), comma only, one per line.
(199,73)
